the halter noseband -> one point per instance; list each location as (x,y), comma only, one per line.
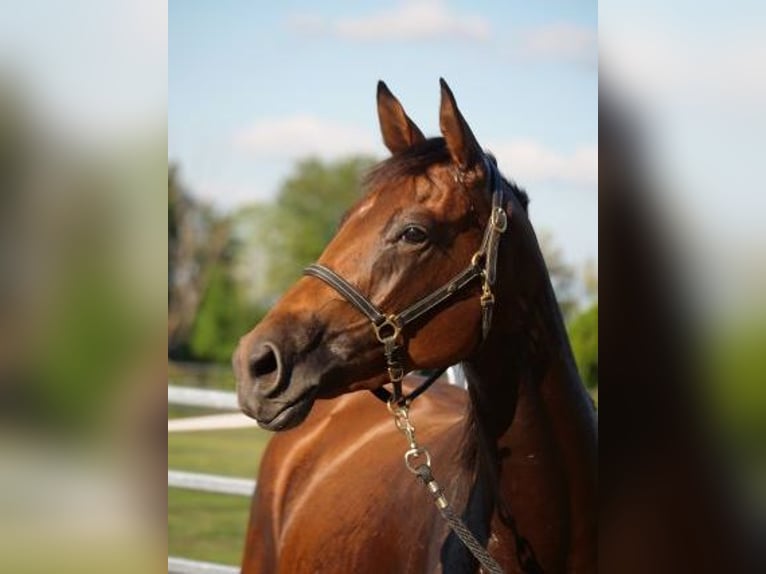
(388,328)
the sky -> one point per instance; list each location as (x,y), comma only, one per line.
(254,86)
(246,87)
(694,83)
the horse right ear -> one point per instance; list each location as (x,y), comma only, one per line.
(464,150)
(399,131)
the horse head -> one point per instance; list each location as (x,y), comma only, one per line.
(422,219)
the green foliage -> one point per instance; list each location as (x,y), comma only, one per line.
(562,274)
(583,334)
(89,338)
(308,209)
(735,364)
(222,318)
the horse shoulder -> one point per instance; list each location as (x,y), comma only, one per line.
(319,482)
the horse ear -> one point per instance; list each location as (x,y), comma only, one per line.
(461,143)
(399,131)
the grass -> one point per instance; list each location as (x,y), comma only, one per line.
(231,452)
(205,526)
(208,526)
(183,411)
(203,376)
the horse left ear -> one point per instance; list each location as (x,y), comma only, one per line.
(399,131)
(461,143)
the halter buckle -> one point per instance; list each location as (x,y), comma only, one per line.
(499,220)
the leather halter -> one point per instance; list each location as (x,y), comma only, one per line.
(388,328)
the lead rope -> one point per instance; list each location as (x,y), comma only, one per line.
(418,462)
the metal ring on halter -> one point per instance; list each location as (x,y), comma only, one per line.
(390,323)
(415,454)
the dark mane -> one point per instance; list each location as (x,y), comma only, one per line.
(417,159)
(519,193)
(412,162)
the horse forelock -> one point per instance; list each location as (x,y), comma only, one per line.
(416,160)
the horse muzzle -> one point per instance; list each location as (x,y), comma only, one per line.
(265,390)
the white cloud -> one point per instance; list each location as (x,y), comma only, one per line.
(529,162)
(304,135)
(413,20)
(560,42)
(227,197)
(682,70)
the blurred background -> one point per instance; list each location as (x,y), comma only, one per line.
(272,122)
(83,100)
(683,418)
(270,113)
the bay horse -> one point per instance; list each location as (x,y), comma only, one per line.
(516,454)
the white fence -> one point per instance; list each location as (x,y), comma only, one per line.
(211,483)
(190,397)
(204,482)
(184,566)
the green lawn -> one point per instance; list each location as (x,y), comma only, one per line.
(205,526)
(183,411)
(231,452)
(210,376)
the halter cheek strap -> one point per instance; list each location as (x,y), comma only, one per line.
(388,328)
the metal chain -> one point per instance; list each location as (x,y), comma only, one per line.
(417,459)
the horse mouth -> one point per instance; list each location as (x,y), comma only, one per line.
(291,414)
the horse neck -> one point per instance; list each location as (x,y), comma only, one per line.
(528,351)
(534,423)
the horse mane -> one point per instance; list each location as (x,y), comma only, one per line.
(415,160)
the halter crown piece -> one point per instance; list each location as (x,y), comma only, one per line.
(388,328)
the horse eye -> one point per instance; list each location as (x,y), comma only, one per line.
(415,235)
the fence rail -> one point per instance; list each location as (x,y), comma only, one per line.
(213,399)
(186,566)
(211,483)
(192,397)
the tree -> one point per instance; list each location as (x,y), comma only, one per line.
(222,317)
(562,274)
(590,279)
(305,217)
(583,335)
(196,239)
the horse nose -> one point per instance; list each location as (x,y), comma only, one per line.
(265,369)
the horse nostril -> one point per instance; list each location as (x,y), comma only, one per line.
(265,367)
(263,362)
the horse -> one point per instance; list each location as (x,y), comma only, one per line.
(515,454)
